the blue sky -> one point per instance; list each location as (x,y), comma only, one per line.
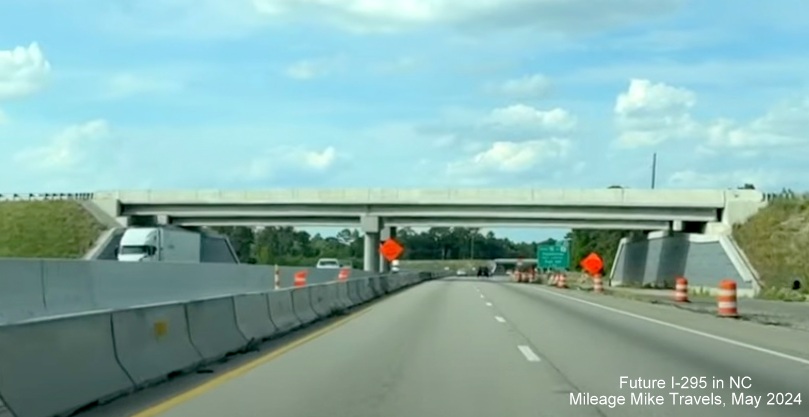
(402,93)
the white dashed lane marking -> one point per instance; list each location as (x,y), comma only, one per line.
(500,319)
(529,354)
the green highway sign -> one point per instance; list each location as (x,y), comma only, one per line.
(556,256)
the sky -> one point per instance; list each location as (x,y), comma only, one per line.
(249,94)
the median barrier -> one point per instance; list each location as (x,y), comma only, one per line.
(153,342)
(253,316)
(21,291)
(384,282)
(281,311)
(302,305)
(354,291)
(376,286)
(342,296)
(366,293)
(320,300)
(332,299)
(56,366)
(213,328)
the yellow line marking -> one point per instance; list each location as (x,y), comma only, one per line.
(205,387)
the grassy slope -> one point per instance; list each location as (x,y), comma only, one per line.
(776,240)
(46,229)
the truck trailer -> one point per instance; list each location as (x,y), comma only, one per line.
(159,244)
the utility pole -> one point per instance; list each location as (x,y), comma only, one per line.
(654,169)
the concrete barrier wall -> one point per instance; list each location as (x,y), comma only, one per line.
(55,366)
(302,305)
(342,295)
(213,327)
(253,316)
(153,342)
(354,292)
(282,312)
(703,259)
(320,300)
(32,288)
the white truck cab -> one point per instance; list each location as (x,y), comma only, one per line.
(327,263)
(155,244)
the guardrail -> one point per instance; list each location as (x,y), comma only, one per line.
(44,196)
(53,366)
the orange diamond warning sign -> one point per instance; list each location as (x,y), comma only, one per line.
(391,250)
(592,263)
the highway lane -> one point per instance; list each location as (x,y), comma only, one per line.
(463,347)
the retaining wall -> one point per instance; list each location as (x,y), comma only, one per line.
(702,259)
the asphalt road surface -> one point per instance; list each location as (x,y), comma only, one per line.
(477,348)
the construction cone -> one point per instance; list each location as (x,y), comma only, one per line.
(598,284)
(726,301)
(343,275)
(681,290)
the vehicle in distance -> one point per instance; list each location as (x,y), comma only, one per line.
(460,272)
(159,244)
(483,271)
(327,263)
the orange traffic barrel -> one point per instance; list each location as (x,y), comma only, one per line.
(598,283)
(727,299)
(300,279)
(681,290)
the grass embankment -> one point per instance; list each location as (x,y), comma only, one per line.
(775,241)
(46,229)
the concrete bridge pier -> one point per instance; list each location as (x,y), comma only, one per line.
(371,227)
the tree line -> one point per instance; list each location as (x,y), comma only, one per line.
(288,246)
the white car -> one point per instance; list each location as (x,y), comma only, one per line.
(327,263)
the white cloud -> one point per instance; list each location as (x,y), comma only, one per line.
(786,124)
(521,116)
(128,84)
(651,113)
(23,71)
(283,159)
(313,68)
(397,15)
(761,178)
(510,157)
(319,160)
(66,149)
(528,87)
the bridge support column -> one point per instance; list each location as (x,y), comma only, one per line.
(388,232)
(371,227)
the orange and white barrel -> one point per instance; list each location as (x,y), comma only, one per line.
(277,278)
(681,290)
(598,283)
(300,279)
(343,275)
(726,299)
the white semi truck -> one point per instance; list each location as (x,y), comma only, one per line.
(159,244)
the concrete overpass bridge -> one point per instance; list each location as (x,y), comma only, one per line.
(378,212)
